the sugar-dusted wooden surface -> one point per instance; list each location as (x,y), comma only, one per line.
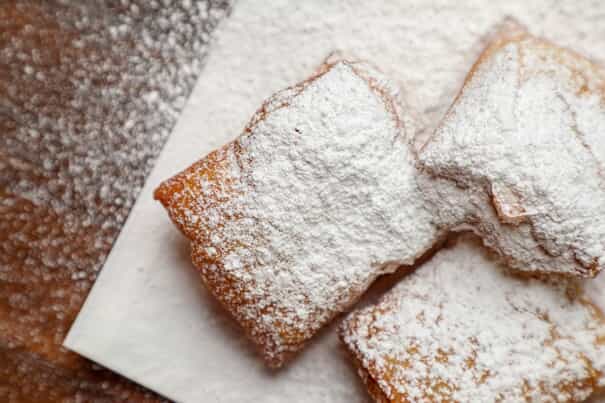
(89,91)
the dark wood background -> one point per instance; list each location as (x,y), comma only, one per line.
(89,92)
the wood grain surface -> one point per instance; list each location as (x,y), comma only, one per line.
(89,91)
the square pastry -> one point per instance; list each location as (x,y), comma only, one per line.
(463,328)
(523,150)
(292,221)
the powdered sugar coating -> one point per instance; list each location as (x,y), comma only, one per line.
(292,221)
(462,328)
(523,140)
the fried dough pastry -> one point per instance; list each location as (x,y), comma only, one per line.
(291,222)
(463,328)
(521,156)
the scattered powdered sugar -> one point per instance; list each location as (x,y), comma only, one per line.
(462,328)
(524,139)
(89,91)
(315,200)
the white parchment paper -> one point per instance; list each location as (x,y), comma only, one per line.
(148,316)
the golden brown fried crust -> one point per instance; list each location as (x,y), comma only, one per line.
(224,287)
(371,384)
(212,168)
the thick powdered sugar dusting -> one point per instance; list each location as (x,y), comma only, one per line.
(462,328)
(524,138)
(307,208)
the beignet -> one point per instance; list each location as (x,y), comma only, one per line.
(292,221)
(523,150)
(463,328)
